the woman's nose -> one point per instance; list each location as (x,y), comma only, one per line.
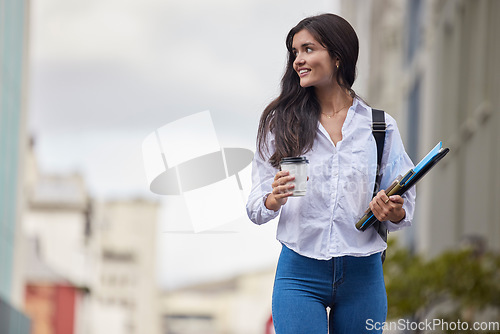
(299,60)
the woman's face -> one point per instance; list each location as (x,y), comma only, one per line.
(312,61)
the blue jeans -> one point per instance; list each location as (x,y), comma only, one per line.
(352,287)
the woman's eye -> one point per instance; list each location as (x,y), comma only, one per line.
(308,50)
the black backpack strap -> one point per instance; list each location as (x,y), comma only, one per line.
(378,131)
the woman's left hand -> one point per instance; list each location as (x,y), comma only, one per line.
(388,208)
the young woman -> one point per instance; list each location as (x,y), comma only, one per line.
(325,262)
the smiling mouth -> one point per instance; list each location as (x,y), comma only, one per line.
(304,72)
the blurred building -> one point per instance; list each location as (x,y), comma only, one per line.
(58,264)
(91,265)
(240,305)
(125,293)
(52,302)
(59,219)
(433,65)
(14,17)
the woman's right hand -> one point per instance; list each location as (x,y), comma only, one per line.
(281,190)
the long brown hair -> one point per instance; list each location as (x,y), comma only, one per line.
(293,116)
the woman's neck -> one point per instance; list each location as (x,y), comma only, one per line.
(333,99)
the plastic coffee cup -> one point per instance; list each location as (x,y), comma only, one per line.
(298,167)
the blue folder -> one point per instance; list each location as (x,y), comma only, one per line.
(402,183)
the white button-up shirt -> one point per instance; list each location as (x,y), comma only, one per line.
(321,224)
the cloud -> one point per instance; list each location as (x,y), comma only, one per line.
(101,64)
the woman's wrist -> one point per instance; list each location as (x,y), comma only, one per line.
(271,203)
(403,217)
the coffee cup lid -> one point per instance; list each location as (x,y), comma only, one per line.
(294,160)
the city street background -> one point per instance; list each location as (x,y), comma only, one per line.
(87,248)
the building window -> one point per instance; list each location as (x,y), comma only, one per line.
(414,122)
(413,28)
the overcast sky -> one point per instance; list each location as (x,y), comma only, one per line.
(106,73)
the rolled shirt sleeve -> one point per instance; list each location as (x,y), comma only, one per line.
(263,174)
(398,163)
